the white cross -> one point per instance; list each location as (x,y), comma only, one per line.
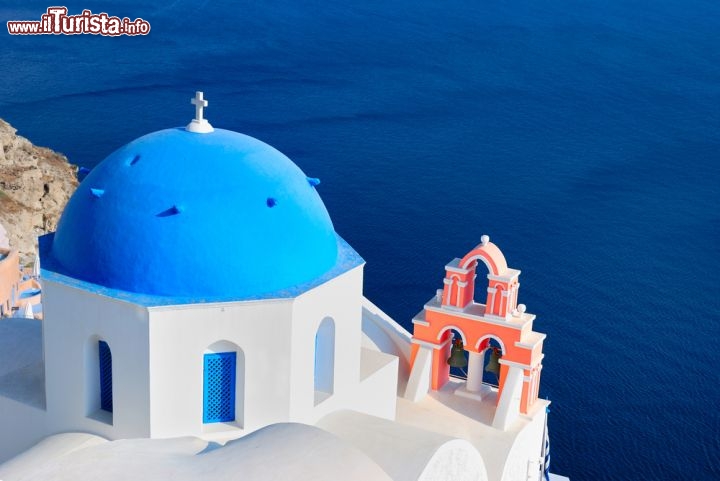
(199,124)
(199,104)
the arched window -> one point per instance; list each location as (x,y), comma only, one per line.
(457,370)
(324,359)
(219,387)
(491,354)
(106,381)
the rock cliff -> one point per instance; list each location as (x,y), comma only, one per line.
(35,185)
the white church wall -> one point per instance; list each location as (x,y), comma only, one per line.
(524,458)
(378,378)
(338,302)
(405,452)
(22,427)
(75,320)
(384,334)
(179,338)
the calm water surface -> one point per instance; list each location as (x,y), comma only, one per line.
(583,137)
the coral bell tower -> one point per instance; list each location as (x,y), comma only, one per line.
(500,319)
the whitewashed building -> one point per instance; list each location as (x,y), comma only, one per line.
(195,286)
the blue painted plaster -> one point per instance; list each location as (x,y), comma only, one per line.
(51,270)
(186,216)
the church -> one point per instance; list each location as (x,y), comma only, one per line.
(199,305)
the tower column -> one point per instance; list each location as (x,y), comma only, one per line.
(490,298)
(440,367)
(508,408)
(475,371)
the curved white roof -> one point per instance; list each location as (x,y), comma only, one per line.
(281,451)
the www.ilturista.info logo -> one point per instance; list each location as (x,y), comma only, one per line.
(56,21)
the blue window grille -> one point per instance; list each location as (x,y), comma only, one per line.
(219,387)
(106,397)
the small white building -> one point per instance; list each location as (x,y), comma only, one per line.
(195,286)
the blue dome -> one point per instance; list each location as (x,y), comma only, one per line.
(182,214)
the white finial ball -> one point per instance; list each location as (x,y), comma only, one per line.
(484,239)
(521,308)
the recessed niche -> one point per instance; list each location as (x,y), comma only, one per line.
(174,210)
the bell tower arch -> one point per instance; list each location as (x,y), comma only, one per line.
(500,318)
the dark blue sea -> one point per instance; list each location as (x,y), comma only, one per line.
(582,136)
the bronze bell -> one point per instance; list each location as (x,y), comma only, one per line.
(493,365)
(457,355)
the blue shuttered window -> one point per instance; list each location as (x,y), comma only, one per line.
(106,396)
(219,387)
